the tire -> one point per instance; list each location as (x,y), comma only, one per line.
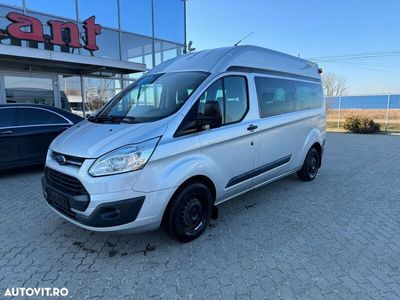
(310,167)
(188,213)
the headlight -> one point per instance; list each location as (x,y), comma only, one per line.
(125,159)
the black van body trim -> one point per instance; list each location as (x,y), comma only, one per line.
(258,171)
(271,72)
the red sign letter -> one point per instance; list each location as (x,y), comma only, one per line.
(59,28)
(19,21)
(92,29)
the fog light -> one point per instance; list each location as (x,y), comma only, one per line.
(110,213)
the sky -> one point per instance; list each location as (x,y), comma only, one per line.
(311,29)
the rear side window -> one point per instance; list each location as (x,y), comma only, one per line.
(309,95)
(34,116)
(7,117)
(275,96)
(231,94)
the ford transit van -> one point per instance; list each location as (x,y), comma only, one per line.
(195,131)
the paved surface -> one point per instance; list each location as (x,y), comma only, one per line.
(337,237)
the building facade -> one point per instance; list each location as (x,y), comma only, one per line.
(77,54)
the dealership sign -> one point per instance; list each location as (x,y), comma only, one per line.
(24,27)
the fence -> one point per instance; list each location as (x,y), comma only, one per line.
(383,109)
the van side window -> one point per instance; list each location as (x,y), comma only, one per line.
(275,96)
(231,94)
(213,93)
(235,98)
(309,95)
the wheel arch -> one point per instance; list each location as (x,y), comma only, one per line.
(314,139)
(196,178)
(318,147)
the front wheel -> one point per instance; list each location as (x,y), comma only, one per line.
(310,167)
(188,214)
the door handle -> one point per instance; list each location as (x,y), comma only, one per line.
(6,132)
(252,127)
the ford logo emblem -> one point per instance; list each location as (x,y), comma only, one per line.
(60,159)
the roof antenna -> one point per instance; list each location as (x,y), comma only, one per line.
(244,38)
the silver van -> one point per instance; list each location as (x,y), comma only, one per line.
(194,132)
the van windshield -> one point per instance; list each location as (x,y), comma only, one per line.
(151,98)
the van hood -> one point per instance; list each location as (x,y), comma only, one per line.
(92,140)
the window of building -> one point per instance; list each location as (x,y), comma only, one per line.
(47,33)
(275,96)
(4,37)
(64,8)
(16,3)
(169,20)
(71,96)
(98,91)
(136,16)
(132,77)
(7,117)
(21,89)
(231,94)
(34,116)
(165,51)
(137,49)
(309,95)
(108,43)
(105,11)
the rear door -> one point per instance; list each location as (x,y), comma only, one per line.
(8,137)
(38,128)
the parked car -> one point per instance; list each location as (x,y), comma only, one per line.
(192,133)
(26,131)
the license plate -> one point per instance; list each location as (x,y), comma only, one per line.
(58,198)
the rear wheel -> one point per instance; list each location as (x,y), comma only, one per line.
(310,166)
(188,214)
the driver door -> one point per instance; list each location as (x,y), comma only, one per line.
(229,149)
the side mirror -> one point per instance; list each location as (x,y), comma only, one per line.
(193,122)
(88,115)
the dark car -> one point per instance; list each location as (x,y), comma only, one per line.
(26,131)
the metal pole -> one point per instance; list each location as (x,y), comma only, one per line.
(387,111)
(83,98)
(153,46)
(184,25)
(338,118)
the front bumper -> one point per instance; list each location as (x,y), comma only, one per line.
(107,214)
(122,211)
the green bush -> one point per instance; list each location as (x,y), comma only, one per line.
(359,124)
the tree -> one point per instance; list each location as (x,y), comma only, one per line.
(334,85)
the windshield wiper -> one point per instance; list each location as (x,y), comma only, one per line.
(113,119)
(129,120)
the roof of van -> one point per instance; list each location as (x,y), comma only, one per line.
(252,57)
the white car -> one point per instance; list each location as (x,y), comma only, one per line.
(194,132)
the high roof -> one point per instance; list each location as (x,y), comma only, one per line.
(221,59)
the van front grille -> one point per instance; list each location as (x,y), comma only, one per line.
(65,183)
(69,159)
